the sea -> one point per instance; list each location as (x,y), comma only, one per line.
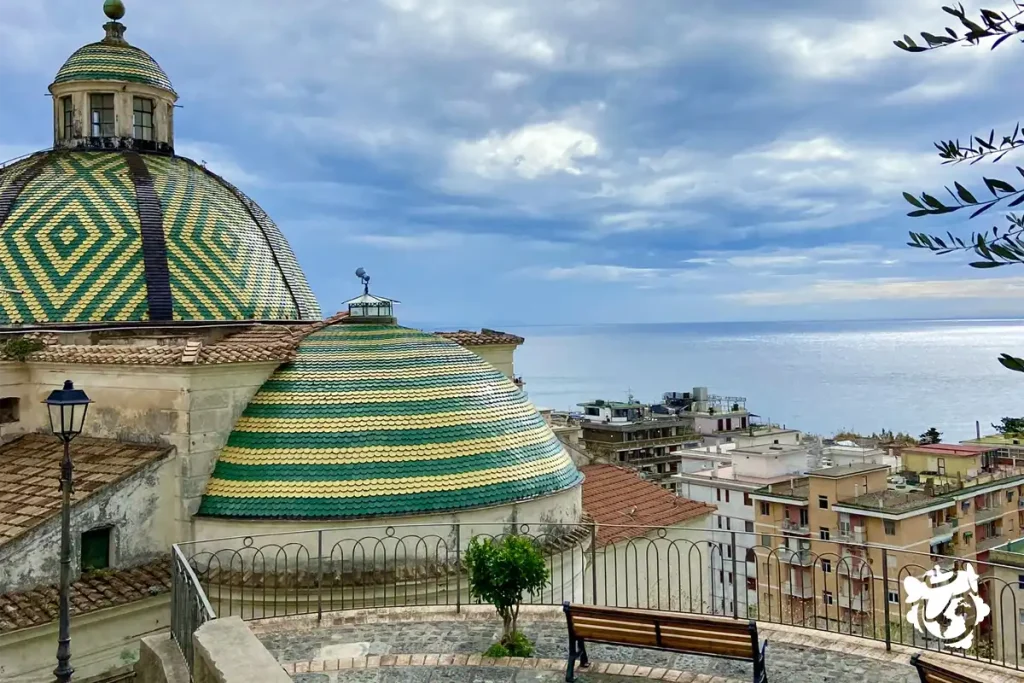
(819,377)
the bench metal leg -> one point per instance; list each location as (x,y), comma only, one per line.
(584,659)
(571,664)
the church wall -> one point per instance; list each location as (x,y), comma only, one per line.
(498,355)
(139,511)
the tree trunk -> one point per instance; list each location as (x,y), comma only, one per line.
(507,622)
(515,619)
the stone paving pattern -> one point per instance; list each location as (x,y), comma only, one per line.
(786,662)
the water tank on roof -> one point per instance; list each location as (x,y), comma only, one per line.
(700,393)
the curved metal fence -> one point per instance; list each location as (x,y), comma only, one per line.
(858,589)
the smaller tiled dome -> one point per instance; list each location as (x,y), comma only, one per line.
(382,420)
(109,61)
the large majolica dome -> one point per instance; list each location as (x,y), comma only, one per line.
(111,226)
(381,420)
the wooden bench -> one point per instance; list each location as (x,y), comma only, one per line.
(930,672)
(686,634)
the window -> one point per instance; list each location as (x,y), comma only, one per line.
(728,552)
(747,500)
(823,534)
(721,424)
(1009,496)
(766,508)
(718,495)
(827,597)
(1021,615)
(727,495)
(96,549)
(101,116)
(728,576)
(826,566)
(10,409)
(751,555)
(728,524)
(721,577)
(890,527)
(894,599)
(766,540)
(1020,581)
(965,506)
(68,114)
(748,527)
(823,502)
(942,466)
(751,583)
(719,521)
(804,516)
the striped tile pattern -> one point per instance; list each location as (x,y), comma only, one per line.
(105,61)
(72,244)
(384,420)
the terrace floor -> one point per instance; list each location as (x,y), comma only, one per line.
(435,648)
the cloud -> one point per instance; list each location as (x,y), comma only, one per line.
(883,290)
(530,152)
(604,273)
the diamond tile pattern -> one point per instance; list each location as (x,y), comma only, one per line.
(72,245)
(384,420)
(105,61)
(30,470)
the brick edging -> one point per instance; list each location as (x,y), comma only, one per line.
(546,664)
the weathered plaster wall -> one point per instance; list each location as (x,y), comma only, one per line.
(139,510)
(100,641)
(498,355)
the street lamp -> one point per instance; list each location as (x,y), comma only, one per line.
(67,408)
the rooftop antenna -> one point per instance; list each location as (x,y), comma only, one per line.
(364,278)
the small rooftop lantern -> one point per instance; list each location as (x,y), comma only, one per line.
(67,407)
(370,309)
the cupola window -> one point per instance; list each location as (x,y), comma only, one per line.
(368,307)
(101,108)
(67,117)
(143,118)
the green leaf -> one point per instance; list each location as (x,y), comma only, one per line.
(1001,185)
(965,194)
(985,264)
(1011,363)
(911,199)
(932,201)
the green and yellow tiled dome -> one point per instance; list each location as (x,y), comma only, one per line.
(382,420)
(107,61)
(119,236)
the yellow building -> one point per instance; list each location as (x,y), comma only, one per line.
(952,461)
(836,545)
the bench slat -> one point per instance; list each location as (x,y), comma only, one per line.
(931,672)
(663,618)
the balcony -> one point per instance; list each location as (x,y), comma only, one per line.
(804,592)
(854,567)
(946,529)
(987,514)
(792,527)
(801,558)
(944,563)
(854,535)
(984,544)
(857,602)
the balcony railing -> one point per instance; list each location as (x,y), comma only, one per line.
(990,542)
(945,528)
(854,535)
(659,568)
(795,527)
(803,592)
(988,514)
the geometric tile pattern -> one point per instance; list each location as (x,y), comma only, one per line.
(72,245)
(105,61)
(377,420)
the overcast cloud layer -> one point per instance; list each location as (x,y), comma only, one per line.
(529,161)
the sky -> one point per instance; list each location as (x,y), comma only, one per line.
(517,162)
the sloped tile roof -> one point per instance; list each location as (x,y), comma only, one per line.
(30,470)
(484,337)
(93,591)
(618,496)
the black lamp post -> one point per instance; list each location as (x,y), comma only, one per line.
(67,408)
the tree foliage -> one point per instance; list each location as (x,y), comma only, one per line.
(1000,245)
(931,436)
(1010,425)
(501,572)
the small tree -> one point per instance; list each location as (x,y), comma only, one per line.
(931,436)
(1010,425)
(500,572)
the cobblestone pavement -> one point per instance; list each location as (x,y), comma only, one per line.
(787,663)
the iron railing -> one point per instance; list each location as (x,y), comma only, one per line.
(664,568)
(190,608)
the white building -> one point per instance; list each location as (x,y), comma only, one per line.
(728,486)
(846,453)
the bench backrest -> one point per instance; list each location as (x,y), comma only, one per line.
(935,673)
(681,633)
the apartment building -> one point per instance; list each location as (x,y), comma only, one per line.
(1008,601)
(727,480)
(825,535)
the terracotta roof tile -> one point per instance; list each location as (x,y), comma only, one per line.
(91,592)
(618,496)
(484,337)
(30,470)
